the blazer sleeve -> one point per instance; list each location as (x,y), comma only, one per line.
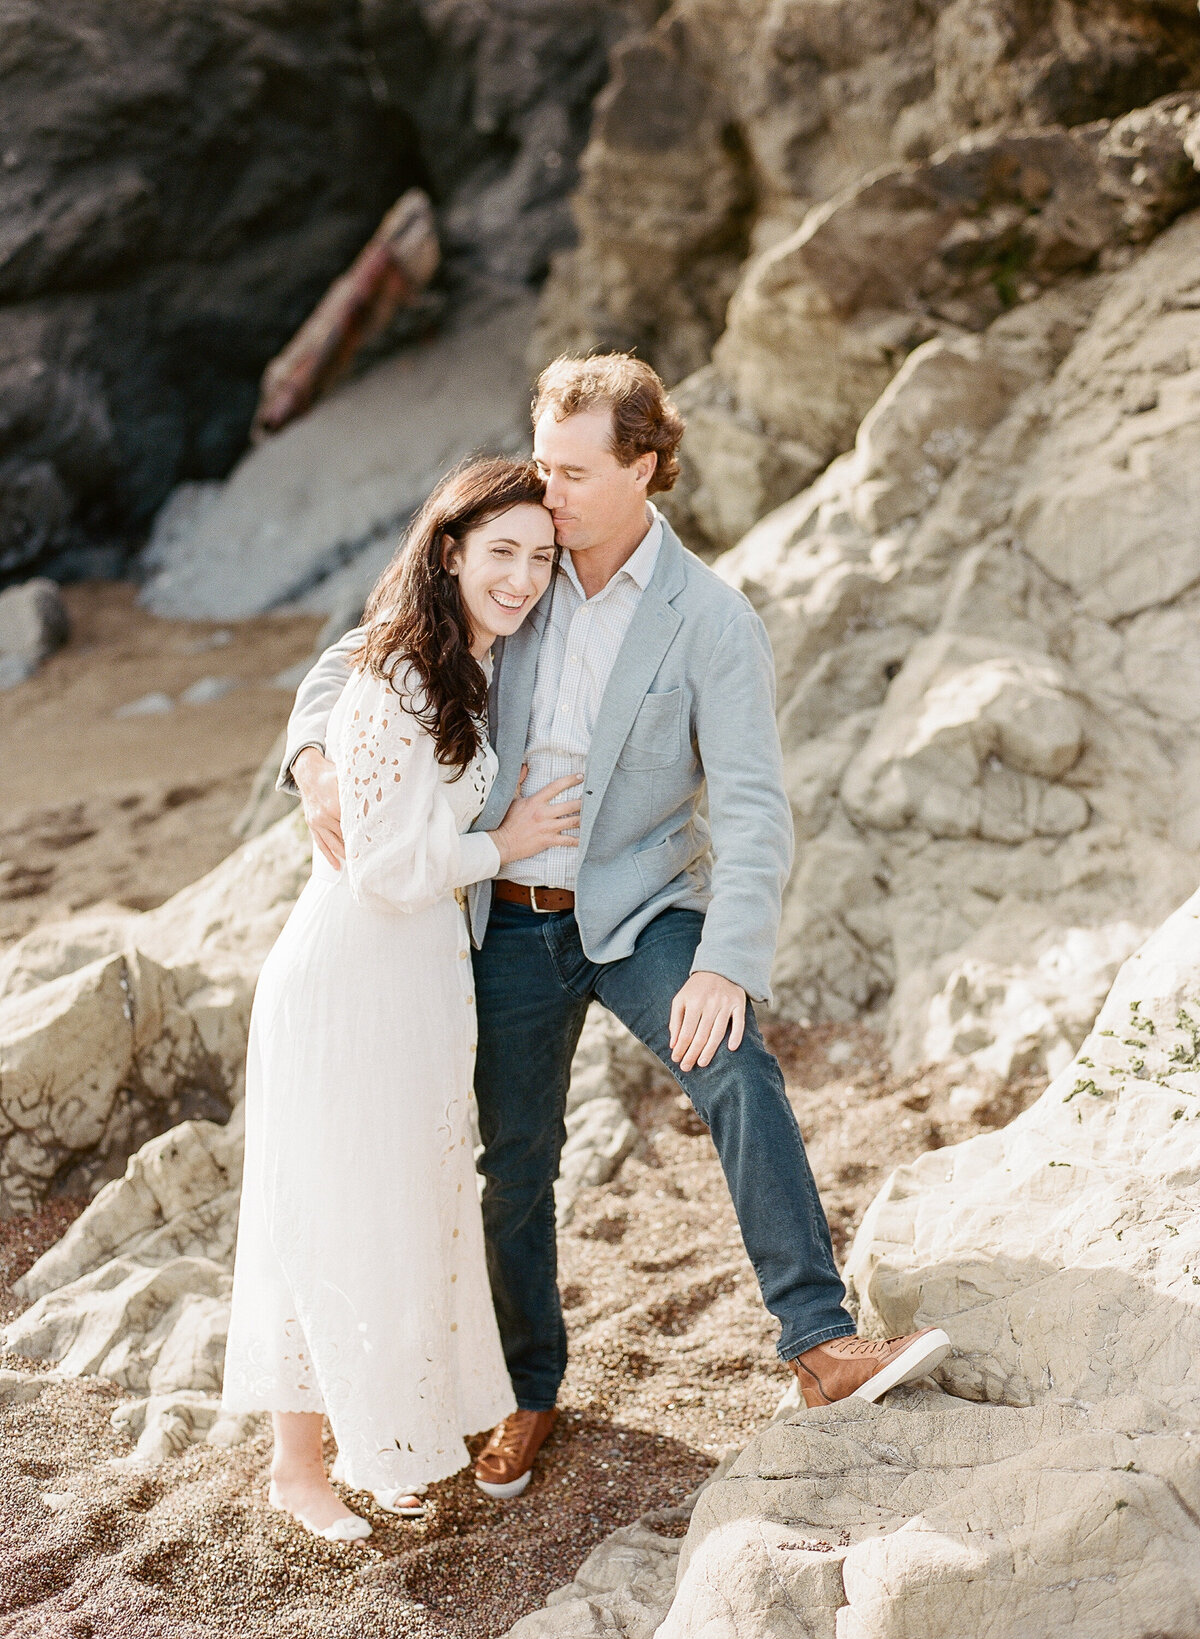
(748,809)
(403,848)
(315,700)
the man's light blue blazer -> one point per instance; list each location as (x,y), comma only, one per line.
(689,708)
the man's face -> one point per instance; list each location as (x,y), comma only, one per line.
(590,495)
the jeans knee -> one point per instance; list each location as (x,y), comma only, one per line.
(743,1075)
(517,1191)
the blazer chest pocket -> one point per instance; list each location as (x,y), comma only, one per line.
(654,739)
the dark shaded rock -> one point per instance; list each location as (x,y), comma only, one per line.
(180,180)
(501,95)
(178,184)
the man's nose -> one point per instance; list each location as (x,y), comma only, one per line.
(554,494)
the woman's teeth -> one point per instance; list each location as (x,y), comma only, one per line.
(508,603)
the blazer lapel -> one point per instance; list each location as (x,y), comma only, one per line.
(651,633)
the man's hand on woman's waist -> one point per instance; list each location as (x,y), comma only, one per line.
(316,780)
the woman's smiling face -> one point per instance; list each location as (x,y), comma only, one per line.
(503,567)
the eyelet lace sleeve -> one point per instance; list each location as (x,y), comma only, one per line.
(403,848)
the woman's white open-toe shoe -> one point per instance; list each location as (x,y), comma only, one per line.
(351,1528)
(406,1501)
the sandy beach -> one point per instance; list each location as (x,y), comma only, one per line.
(101,808)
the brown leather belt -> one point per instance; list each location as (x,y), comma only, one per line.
(544,900)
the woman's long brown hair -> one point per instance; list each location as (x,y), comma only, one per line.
(415,615)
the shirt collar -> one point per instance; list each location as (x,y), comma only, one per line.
(639,566)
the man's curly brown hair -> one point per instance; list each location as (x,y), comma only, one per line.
(643,416)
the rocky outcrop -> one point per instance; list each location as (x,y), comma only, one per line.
(182,182)
(820,322)
(981,617)
(927,1515)
(1059,1253)
(114,1027)
(721,128)
(1050,1483)
(501,97)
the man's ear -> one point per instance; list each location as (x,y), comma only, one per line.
(646,466)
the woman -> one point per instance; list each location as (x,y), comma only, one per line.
(360,1289)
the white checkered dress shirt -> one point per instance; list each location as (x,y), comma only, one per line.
(578,649)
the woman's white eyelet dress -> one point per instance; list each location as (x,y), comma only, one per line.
(360,1287)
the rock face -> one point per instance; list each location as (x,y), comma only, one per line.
(930,1516)
(1060,1255)
(821,321)
(723,126)
(501,96)
(114,1027)
(181,182)
(982,617)
(1059,1251)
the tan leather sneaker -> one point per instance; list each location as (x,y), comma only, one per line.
(867,1370)
(505,1465)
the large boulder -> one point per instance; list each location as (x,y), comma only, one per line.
(989,728)
(116,1026)
(1060,1253)
(929,1516)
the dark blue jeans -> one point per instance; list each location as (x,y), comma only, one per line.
(533,984)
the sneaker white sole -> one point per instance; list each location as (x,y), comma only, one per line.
(514,1488)
(920,1357)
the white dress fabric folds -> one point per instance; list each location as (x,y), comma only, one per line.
(360,1287)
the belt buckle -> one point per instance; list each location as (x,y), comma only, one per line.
(534,906)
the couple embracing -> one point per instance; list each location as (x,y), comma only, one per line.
(545,688)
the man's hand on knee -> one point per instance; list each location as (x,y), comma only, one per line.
(701,1013)
(316,779)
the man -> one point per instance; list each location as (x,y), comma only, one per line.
(646,674)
